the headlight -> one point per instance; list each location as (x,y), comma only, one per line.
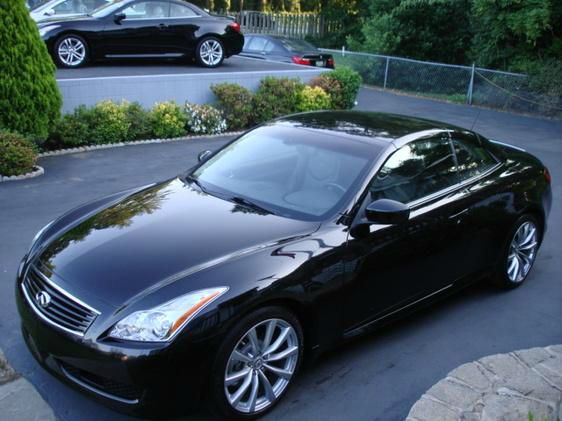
(46,29)
(40,233)
(161,323)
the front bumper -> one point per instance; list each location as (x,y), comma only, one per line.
(138,379)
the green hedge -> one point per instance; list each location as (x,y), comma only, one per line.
(17,155)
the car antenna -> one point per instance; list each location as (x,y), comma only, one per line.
(476,119)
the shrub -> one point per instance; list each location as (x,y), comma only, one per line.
(350,82)
(17,155)
(313,98)
(276,97)
(71,130)
(107,123)
(167,120)
(236,103)
(29,97)
(139,121)
(329,85)
(203,119)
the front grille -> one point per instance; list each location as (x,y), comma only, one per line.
(55,305)
(101,385)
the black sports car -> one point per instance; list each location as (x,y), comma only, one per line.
(142,29)
(300,233)
(286,50)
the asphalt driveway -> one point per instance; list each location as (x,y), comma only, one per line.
(377,377)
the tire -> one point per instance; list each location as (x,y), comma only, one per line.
(233,399)
(71,51)
(210,52)
(519,253)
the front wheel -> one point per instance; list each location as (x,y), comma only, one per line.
(210,52)
(520,253)
(256,364)
(71,51)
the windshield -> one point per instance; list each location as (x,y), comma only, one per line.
(297,44)
(297,173)
(108,8)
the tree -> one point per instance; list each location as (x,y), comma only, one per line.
(30,100)
(436,30)
(512,33)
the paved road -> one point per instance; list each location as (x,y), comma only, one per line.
(377,377)
(163,67)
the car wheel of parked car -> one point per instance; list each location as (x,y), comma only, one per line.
(210,52)
(519,253)
(256,363)
(71,51)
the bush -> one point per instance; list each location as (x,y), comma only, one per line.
(139,122)
(276,97)
(167,119)
(236,103)
(203,119)
(313,98)
(71,130)
(17,155)
(329,85)
(107,123)
(350,82)
(30,100)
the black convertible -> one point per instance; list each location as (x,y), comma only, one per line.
(300,233)
(142,29)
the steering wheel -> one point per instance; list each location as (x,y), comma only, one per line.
(334,186)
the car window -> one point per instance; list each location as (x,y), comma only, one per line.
(181,11)
(70,6)
(297,44)
(258,44)
(147,10)
(416,170)
(472,158)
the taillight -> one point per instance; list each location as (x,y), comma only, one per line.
(235,26)
(301,60)
(547,175)
(330,63)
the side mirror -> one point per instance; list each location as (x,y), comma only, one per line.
(204,155)
(118,17)
(387,211)
(49,12)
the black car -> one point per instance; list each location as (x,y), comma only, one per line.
(298,234)
(142,29)
(286,50)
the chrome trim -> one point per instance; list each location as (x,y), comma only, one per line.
(62,291)
(96,390)
(497,142)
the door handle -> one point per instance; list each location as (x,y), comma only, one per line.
(458,215)
(162,26)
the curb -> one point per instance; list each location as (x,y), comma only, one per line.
(19,401)
(35,173)
(520,385)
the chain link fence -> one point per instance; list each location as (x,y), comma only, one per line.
(460,84)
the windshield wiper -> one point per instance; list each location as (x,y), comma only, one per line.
(195,181)
(250,205)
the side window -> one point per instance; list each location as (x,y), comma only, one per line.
(70,6)
(147,10)
(258,44)
(416,170)
(472,158)
(181,11)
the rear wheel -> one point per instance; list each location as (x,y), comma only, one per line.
(520,252)
(256,364)
(71,51)
(210,52)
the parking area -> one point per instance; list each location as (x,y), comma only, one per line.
(172,67)
(376,377)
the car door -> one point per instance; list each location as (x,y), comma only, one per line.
(395,265)
(139,29)
(183,23)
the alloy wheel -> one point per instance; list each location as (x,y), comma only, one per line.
(522,252)
(211,52)
(71,51)
(261,366)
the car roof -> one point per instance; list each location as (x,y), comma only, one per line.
(379,129)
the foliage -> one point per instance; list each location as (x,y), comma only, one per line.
(349,82)
(107,123)
(30,101)
(167,119)
(71,130)
(435,30)
(203,119)
(139,122)
(313,98)
(17,155)
(236,103)
(276,97)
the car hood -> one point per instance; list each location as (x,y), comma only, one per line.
(153,235)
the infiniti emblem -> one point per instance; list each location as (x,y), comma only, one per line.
(43,299)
